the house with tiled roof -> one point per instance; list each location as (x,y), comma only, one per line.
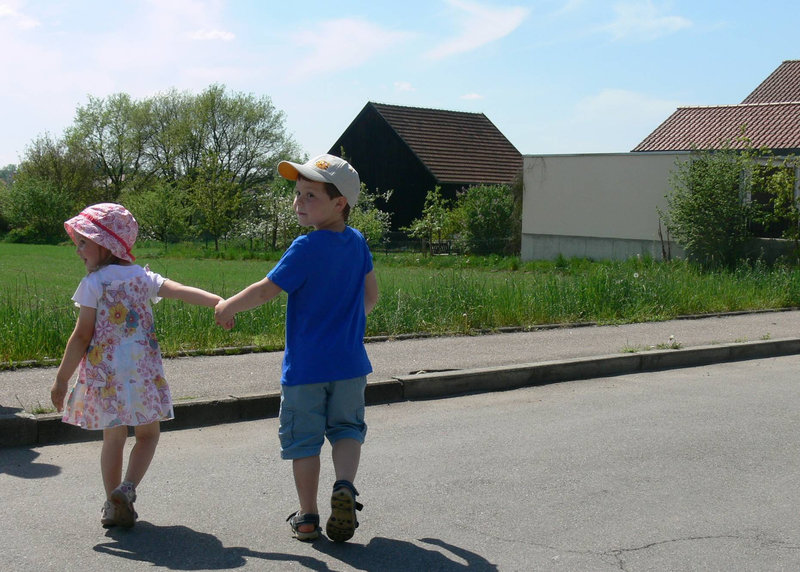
(608,206)
(770,117)
(412,150)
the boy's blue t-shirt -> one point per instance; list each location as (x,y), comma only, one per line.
(323,273)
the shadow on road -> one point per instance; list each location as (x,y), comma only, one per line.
(389,555)
(21,463)
(181,548)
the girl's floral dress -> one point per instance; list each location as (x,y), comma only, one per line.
(121,377)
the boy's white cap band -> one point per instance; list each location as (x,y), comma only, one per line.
(326,169)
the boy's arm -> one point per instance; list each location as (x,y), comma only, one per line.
(370,292)
(76,348)
(188,294)
(254,295)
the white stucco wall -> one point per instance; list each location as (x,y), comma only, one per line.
(599,206)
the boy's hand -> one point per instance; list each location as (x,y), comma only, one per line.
(57,394)
(222,316)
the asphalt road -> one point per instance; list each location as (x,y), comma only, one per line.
(685,469)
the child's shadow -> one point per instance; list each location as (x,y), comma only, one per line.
(181,548)
(20,463)
(389,555)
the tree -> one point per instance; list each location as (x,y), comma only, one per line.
(246,134)
(708,207)
(7,174)
(777,179)
(371,221)
(436,223)
(36,211)
(162,212)
(114,132)
(216,197)
(66,168)
(267,214)
(486,216)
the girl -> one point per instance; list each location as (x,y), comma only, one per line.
(120,375)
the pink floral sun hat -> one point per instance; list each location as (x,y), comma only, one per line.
(110,225)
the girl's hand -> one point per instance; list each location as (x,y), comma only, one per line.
(57,394)
(222,316)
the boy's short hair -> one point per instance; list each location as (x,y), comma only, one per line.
(326,169)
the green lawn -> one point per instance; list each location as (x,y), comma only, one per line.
(418,294)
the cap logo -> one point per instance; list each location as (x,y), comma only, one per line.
(322,165)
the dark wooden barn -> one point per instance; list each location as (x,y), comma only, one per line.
(412,150)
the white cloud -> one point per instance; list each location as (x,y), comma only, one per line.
(644,22)
(404,86)
(336,45)
(212,35)
(10,12)
(471,96)
(479,24)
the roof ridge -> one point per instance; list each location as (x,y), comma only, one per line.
(725,105)
(427,108)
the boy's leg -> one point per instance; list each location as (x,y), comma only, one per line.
(306,480)
(302,433)
(346,455)
(346,431)
(111,457)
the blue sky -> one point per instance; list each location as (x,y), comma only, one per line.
(568,76)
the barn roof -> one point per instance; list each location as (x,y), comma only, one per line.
(456,146)
(770,117)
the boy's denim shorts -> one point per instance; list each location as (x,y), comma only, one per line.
(311,412)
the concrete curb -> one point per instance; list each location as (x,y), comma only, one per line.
(24,429)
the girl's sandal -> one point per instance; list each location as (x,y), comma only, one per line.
(342,523)
(296,520)
(122,498)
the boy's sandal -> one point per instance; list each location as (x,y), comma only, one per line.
(296,520)
(342,523)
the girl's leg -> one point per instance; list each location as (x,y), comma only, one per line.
(111,457)
(143,451)
(306,480)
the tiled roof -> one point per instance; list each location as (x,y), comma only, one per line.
(457,147)
(781,86)
(770,116)
(772,125)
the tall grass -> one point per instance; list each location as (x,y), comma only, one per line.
(432,295)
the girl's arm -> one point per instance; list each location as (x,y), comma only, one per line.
(188,294)
(76,348)
(370,292)
(254,295)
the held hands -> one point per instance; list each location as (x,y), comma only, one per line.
(223,316)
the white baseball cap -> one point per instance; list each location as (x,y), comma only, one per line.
(326,169)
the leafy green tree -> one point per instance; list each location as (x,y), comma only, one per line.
(371,221)
(36,211)
(777,179)
(216,197)
(114,132)
(709,208)
(7,174)
(267,215)
(436,222)
(486,214)
(162,212)
(66,168)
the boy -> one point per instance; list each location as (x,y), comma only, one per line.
(331,284)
